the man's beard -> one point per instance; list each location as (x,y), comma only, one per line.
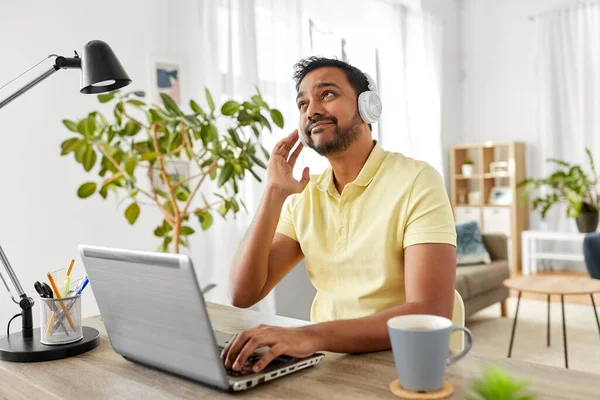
(342,137)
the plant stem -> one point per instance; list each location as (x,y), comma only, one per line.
(133,119)
(165,178)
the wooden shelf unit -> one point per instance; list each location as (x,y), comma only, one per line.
(511,218)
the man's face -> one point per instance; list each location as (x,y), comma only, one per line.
(329,118)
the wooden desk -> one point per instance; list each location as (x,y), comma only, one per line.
(103,374)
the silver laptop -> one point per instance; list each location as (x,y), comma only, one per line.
(155,315)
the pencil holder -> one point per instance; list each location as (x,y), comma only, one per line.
(60,320)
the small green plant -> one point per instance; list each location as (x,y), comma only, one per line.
(468,162)
(570,184)
(134,149)
(496,384)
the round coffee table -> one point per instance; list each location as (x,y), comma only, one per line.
(553,285)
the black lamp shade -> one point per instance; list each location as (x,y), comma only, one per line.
(101,70)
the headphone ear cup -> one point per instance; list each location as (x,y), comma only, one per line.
(369,106)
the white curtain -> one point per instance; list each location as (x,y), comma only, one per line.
(247,43)
(567,69)
(410,82)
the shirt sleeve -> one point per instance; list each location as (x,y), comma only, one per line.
(286,221)
(429,217)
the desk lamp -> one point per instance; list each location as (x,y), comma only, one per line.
(101,72)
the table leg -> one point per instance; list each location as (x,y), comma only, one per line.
(595,312)
(562,302)
(512,336)
(548,327)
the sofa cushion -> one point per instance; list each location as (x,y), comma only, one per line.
(469,245)
(472,280)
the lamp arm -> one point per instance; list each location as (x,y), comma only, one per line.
(59,63)
(29,86)
(26,303)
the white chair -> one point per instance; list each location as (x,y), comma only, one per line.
(457,340)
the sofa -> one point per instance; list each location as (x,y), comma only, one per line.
(481,285)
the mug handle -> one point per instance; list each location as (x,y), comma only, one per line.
(451,361)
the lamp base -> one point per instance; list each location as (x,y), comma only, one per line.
(18,349)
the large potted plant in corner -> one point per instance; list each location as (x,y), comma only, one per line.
(572,185)
(132,152)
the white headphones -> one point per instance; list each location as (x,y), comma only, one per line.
(369,103)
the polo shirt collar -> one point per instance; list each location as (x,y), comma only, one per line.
(366,175)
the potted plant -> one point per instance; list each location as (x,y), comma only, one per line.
(572,185)
(496,384)
(467,167)
(131,153)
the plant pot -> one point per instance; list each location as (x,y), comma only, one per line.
(467,169)
(587,222)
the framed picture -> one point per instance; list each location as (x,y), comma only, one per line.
(179,170)
(165,77)
(499,168)
(500,195)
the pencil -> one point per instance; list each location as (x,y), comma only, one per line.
(70,267)
(62,304)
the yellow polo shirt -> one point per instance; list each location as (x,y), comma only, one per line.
(353,243)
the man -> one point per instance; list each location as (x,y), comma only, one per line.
(375,229)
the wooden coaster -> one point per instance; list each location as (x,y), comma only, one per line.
(446,391)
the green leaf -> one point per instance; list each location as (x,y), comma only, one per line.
(265,152)
(111,134)
(130,166)
(131,129)
(136,103)
(225,174)
(206,219)
(212,133)
(186,230)
(213,174)
(257,99)
(106,97)
(80,153)
(87,126)
(244,117)
(258,161)
(72,126)
(196,108)
(164,247)
(255,175)
(150,156)
(277,118)
(236,138)
(132,213)
(89,159)
(223,209)
(230,108)
(103,191)
(86,190)
(170,104)
(209,100)
(265,122)
(71,145)
(235,205)
(160,232)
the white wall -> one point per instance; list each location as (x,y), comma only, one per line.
(41,219)
(499,42)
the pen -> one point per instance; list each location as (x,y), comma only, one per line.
(78,291)
(62,304)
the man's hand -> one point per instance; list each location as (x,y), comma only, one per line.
(279,170)
(294,342)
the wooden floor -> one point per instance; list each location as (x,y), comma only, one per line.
(571,299)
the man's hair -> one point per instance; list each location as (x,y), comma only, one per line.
(355,76)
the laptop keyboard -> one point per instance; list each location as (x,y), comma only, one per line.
(247,368)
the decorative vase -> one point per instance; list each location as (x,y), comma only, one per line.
(467,169)
(587,222)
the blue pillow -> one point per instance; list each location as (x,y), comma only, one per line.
(469,245)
